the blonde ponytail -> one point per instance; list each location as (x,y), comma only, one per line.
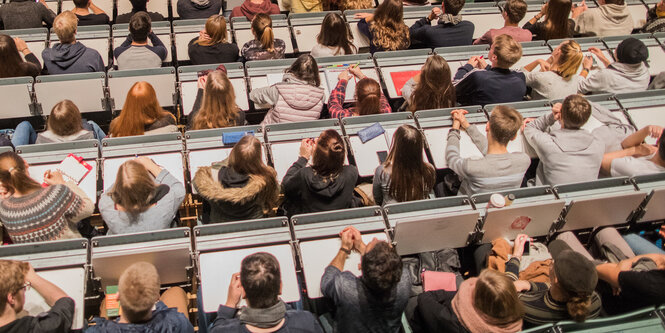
(268,40)
(262,27)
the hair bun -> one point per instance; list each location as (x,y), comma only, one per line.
(337,147)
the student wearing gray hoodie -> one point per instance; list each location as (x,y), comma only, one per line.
(569,154)
(628,74)
(70,56)
(611,18)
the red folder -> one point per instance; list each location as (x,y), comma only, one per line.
(439,281)
(400,78)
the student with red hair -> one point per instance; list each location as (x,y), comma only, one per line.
(142,114)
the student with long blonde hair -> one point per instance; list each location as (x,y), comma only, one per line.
(404,176)
(142,114)
(241,187)
(369,98)
(264,46)
(144,197)
(212,46)
(558,74)
(385,28)
(432,88)
(215,105)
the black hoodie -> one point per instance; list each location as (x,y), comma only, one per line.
(200,9)
(307,192)
(72,58)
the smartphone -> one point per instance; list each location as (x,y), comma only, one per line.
(527,246)
(382,155)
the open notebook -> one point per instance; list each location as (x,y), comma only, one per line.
(74,168)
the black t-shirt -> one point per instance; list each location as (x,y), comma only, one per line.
(213,54)
(638,290)
(93,19)
(124,18)
(58,319)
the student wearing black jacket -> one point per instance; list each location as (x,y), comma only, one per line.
(451,30)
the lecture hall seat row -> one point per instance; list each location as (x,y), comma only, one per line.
(212,253)
(176,87)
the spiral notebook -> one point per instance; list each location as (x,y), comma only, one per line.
(74,168)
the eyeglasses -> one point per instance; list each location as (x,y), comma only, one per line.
(26,286)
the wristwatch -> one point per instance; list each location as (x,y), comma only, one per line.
(347,251)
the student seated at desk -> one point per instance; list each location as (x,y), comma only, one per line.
(385,28)
(627,74)
(16,278)
(351,4)
(134,52)
(251,8)
(637,158)
(498,169)
(259,282)
(142,114)
(487,303)
(298,97)
(450,29)
(369,98)
(212,46)
(138,6)
(334,39)
(610,18)
(82,10)
(479,83)
(327,184)
(33,213)
(373,302)
(241,187)
(655,19)
(264,46)
(404,176)
(557,77)
(199,9)
(569,154)
(303,6)
(513,12)
(25,14)
(70,56)
(142,308)
(570,293)
(556,24)
(144,197)
(12,63)
(432,88)
(215,106)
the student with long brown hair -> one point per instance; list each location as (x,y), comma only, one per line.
(142,114)
(385,28)
(432,88)
(144,197)
(264,46)
(241,187)
(369,98)
(487,303)
(12,64)
(557,77)
(33,213)
(556,24)
(298,97)
(404,176)
(212,46)
(215,105)
(334,39)
(326,184)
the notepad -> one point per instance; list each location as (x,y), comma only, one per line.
(74,168)
(332,74)
(400,79)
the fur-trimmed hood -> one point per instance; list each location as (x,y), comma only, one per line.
(212,189)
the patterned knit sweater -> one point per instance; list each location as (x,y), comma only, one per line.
(49,213)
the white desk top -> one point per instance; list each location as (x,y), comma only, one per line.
(366,153)
(218,267)
(644,116)
(656,60)
(317,255)
(484,22)
(306,36)
(359,40)
(169,161)
(101,45)
(88,184)
(71,281)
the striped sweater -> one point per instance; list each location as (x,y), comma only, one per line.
(49,213)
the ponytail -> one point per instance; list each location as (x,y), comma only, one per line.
(14,174)
(262,27)
(578,307)
(268,40)
(368,93)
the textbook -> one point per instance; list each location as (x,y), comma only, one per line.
(112,303)
(74,168)
(400,79)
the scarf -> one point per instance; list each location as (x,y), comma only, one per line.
(449,18)
(476,321)
(263,318)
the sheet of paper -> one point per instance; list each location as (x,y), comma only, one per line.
(387,76)
(88,184)
(438,140)
(316,255)
(400,78)
(654,115)
(366,153)
(331,77)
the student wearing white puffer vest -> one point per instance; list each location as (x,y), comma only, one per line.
(297,98)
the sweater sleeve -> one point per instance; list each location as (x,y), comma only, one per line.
(385,106)
(47,15)
(170,203)
(265,95)
(407,90)
(453,157)
(336,100)
(123,47)
(478,139)
(87,206)
(157,46)
(484,39)
(377,189)
(419,29)
(195,108)
(363,27)
(535,134)
(593,83)
(290,182)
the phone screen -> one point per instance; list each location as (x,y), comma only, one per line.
(527,246)
(382,155)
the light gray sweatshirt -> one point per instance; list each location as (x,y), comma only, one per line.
(566,155)
(606,20)
(157,217)
(616,78)
(493,172)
